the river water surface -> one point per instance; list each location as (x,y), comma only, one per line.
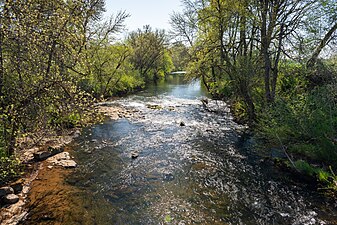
(202,173)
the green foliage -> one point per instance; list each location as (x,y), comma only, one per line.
(40,42)
(306,123)
(292,79)
(149,54)
(128,84)
(180,56)
(110,72)
(326,178)
(65,121)
(329,179)
(306,168)
(168,219)
(10,168)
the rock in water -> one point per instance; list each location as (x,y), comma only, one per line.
(182,124)
(204,101)
(59,157)
(168,177)
(10,199)
(5,191)
(68,163)
(62,159)
(134,155)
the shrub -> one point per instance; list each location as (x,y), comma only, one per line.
(10,168)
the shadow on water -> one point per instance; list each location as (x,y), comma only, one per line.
(200,173)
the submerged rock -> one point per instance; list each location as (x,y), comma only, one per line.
(76,133)
(168,177)
(154,107)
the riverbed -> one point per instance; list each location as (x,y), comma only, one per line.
(176,160)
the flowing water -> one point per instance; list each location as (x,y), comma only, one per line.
(205,172)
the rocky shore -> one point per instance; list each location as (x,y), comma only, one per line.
(48,161)
(49,153)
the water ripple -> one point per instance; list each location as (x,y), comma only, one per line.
(189,169)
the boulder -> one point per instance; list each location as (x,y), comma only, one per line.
(67,163)
(44,154)
(62,159)
(39,156)
(171,108)
(10,199)
(59,157)
(5,191)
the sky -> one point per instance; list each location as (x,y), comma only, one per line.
(155,13)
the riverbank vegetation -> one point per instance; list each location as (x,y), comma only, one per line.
(274,61)
(57,58)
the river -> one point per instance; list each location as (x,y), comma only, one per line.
(194,166)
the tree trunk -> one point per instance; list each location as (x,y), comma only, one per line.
(12,139)
(264,51)
(243,43)
(276,62)
(1,65)
(247,98)
(204,81)
(313,59)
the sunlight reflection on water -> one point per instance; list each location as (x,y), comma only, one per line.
(200,173)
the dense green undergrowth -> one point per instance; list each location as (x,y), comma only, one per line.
(303,121)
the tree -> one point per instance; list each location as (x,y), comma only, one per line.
(102,63)
(278,20)
(149,56)
(234,36)
(326,13)
(180,56)
(184,24)
(225,54)
(39,41)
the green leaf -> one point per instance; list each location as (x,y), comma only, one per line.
(168,219)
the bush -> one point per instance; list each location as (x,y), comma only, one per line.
(306,124)
(10,168)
